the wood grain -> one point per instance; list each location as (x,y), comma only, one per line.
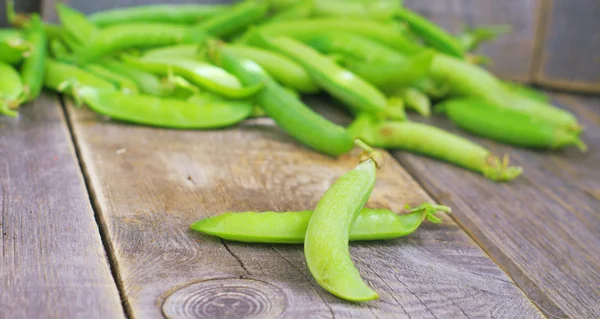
(568,57)
(542,228)
(52,262)
(513,54)
(149,185)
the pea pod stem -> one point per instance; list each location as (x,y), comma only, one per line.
(290,227)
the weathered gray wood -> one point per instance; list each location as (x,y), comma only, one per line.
(568,57)
(513,54)
(150,184)
(52,262)
(20,6)
(542,228)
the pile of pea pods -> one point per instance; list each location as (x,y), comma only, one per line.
(206,66)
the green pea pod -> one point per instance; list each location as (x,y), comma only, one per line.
(188,51)
(389,34)
(32,70)
(508,126)
(125,84)
(469,80)
(337,81)
(283,107)
(528,92)
(369,9)
(431,33)
(11,90)
(328,233)
(301,10)
(59,76)
(432,141)
(416,100)
(137,36)
(471,39)
(290,227)
(75,23)
(200,73)
(354,46)
(147,82)
(163,112)
(235,18)
(391,76)
(13,46)
(283,69)
(162,13)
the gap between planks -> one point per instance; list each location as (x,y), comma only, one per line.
(108,246)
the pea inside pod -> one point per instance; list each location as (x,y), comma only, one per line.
(290,227)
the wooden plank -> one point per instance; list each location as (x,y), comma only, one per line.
(52,262)
(512,54)
(150,184)
(568,58)
(20,6)
(541,228)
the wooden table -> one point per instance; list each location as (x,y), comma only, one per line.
(95,218)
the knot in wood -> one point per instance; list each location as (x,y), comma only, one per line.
(226,298)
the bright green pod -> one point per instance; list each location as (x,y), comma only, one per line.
(328,232)
(300,10)
(163,13)
(11,90)
(147,82)
(60,76)
(431,33)
(13,46)
(290,227)
(33,68)
(124,83)
(163,112)
(369,9)
(200,73)
(337,81)
(432,141)
(286,109)
(508,126)
(75,23)
(235,18)
(283,69)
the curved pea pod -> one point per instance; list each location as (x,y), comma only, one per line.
(235,18)
(200,73)
(163,112)
(368,9)
(75,23)
(469,80)
(147,82)
(431,33)
(283,69)
(284,107)
(389,34)
(290,227)
(11,90)
(32,70)
(125,84)
(391,76)
(13,46)
(508,126)
(416,100)
(328,232)
(163,13)
(59,76)
(137,36)
(353,46)
(432,141)
(337,81)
